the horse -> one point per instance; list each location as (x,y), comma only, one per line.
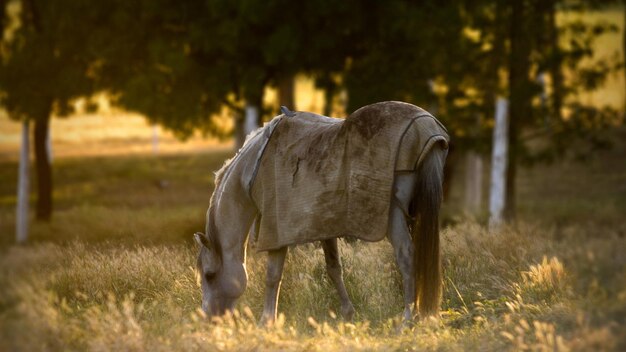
(412,224)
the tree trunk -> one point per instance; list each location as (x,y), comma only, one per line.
(474,175)
(23,187)
(240,134)
(498,189)
(520,94)
(251,120)
(43,167)
(286,92)
(3,16)
(556,72)
(330,89)
(473,182)
(624,57)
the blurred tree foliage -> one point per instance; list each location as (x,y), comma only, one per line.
(151,64)
(181,62)
(178,62)
(470,52)
(48,58)
(453,57)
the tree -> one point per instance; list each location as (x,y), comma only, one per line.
(266,43)
(23,186)
(420,52)
(537,49)
(453,56)
(184,61)
(46,64)
(180,62)
(466,49)
(150,63)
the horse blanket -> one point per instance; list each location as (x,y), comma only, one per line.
(319,177)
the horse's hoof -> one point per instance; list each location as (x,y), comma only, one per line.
(347,312)
(266,322)
(404,325)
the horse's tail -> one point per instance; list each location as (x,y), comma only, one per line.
(425,232)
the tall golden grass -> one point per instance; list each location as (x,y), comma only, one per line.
(520,289)
(114,271)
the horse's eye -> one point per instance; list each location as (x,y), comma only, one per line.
(209,276)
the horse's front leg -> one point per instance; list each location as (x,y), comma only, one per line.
(333,266)
(275,265)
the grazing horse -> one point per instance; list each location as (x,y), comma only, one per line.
(250,185)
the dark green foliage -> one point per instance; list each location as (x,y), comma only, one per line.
(181,62)
(51,58)
(48,61)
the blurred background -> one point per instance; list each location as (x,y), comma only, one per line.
(114,116)
(157,78)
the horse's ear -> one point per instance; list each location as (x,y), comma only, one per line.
(202,240)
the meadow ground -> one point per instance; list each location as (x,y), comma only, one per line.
(114,269)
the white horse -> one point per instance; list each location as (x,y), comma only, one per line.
(413,230)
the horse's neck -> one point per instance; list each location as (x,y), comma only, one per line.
(234,209)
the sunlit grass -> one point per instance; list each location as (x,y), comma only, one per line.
(114,269)
(519,289)
(104,133)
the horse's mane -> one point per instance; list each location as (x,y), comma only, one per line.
(219,175)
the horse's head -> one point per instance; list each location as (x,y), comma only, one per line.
(223,280)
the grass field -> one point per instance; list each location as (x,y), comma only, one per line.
(114,269)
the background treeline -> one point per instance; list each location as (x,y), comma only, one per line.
(182,62)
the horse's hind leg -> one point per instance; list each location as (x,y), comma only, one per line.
(275,265)
(333,266)
(400,236)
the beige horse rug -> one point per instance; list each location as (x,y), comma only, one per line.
(320,177)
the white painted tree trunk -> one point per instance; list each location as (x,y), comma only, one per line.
(49,145)
(251,119)
(155,139)
(240,135)
(21,211)
(497,193)
(473,182)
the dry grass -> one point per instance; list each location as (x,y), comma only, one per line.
(113,271)
(520,289)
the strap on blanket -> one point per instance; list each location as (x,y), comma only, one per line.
(265,135)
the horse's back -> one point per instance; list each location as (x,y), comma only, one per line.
(321,177)
(423,131)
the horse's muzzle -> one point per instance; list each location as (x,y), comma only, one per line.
(218,306)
